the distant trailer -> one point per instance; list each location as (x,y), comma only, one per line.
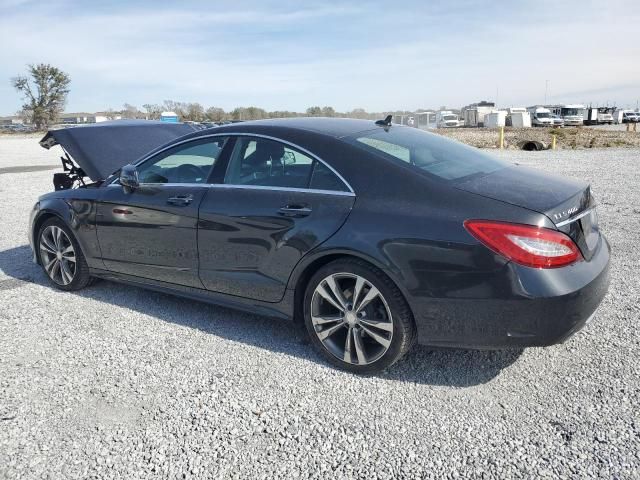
(590,116)
(169,117)
(495,119)
(520,119)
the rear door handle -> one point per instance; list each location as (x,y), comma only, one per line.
(180,200)
(295,211)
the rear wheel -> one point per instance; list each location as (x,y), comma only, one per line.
(61,257)
(356,316)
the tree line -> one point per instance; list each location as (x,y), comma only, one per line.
(45,90)
(195,112)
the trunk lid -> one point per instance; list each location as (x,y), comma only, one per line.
(568,203)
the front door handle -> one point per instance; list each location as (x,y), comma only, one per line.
(180,200)
(295,210)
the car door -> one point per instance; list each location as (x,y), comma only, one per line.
(151,232)
(277,203)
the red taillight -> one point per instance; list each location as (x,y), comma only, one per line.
(525,244)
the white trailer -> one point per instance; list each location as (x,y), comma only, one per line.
(540,116)
(520,119)
(495,119)
(590,116)
(473,115)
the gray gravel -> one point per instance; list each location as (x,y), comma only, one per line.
(117,382)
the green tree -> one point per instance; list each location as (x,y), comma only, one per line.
(44,91)
(328,112)
(314,111)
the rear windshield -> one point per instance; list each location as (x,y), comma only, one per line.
(431,153)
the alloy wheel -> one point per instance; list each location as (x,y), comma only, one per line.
(351,318)
(57,255)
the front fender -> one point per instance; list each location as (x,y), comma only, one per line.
(79,214)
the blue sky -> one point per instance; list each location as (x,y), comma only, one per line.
(290,55)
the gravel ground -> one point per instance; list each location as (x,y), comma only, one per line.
(566,138)
(117,382)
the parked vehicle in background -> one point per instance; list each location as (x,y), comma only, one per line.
(446,119)
(617,116)
(605,115)
(518,117)
(495,119)
(572,114)
(557,121)
(629,116)
(590,116)
(540,116)
(473,115)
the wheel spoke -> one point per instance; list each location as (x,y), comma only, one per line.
(324,319)
(386,326)
(55,270)
(328,297)
(46,248)
(57,237)
(357,340)
(335,289)
(322,335)
(49,266)
(357,290)
(45,242)
(347,345)
(67,276)
(69,249)
(371,294)
(376,336)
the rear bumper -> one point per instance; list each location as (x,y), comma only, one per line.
(538,308)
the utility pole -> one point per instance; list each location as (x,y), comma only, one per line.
(546,91)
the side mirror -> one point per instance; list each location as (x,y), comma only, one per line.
(129,178)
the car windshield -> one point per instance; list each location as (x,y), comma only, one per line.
(570,111)
(542,114)
(431,153)
(449,117)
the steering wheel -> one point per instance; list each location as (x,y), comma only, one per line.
(189,173)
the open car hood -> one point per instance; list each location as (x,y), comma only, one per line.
(101,149)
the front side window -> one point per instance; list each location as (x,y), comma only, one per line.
(264,162)
(438,156)
(189,163)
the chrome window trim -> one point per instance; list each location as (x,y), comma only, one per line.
(577,217)
(245,187)
(258,135)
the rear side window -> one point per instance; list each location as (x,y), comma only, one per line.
(264,162)
(438,156)
(324,179)
(269,163)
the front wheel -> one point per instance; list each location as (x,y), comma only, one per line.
(61,257)
(356,316)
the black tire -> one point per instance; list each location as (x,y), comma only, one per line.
(81,277)
(404,330)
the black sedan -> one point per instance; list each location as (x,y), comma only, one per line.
(376,236)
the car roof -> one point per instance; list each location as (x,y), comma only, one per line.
(333,127)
